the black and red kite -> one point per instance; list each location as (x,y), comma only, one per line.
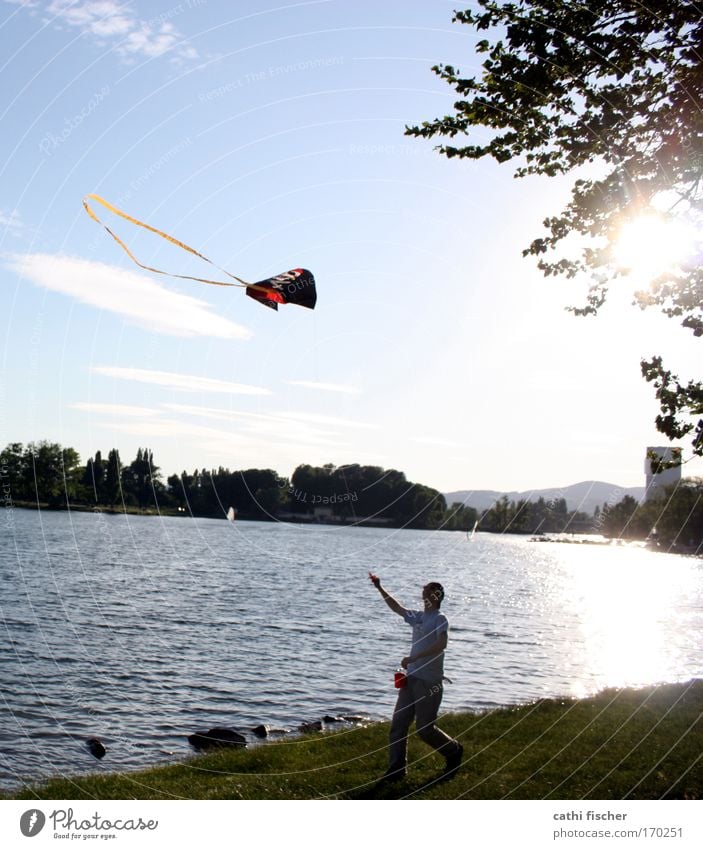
(296,286)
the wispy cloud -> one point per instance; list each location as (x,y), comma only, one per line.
(286,417)
(134,296)
(276,442)
(326,387)
(110,22)
(152,421)
(115,409)
(258,423)
(182,382)
(219,413)
(10,220)
(212,438)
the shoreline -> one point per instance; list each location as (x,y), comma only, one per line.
(563,538)
(643,743)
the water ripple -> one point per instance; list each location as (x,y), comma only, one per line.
(141,631)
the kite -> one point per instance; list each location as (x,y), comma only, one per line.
(296,286)
(291,287)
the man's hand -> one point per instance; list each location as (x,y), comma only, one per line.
(390,601)
(405,661)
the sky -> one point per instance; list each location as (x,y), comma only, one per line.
(270,137)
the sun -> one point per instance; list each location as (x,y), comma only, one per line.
(652,244)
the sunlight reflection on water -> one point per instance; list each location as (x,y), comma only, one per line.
(635,609)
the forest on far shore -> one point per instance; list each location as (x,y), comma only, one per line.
(50,475)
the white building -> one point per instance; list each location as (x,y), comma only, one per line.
(656,481)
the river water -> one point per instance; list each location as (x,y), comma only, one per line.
(142,630)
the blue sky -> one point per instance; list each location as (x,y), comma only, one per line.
(271,137)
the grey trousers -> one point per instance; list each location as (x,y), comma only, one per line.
(420,701)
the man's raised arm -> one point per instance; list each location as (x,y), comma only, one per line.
(387,597)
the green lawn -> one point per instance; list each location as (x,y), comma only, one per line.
(620,744)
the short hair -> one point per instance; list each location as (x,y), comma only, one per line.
(437,590)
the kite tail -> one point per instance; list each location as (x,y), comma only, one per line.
(171,239)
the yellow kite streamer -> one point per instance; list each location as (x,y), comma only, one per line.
(163,235)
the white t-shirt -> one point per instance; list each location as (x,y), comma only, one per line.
(427,626)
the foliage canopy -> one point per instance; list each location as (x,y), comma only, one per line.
(613,88)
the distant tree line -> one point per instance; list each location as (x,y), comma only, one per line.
(533,517)
(47,473)
(355,491)
(673,519)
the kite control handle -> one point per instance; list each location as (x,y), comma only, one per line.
(376,581)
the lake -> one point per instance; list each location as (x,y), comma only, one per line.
(142,630)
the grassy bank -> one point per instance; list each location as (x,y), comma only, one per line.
(635,744)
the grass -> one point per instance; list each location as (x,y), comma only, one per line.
(619,744)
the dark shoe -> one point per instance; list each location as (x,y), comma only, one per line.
(392,776)
(454,762)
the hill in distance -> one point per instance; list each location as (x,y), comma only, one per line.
(584,496)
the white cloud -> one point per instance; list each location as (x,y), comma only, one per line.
(10,220)
(284,417)
(252,433)
(326,387)
(279,431)
(168,428)
(115,409)
(217,413)
(149,43)
(271,441)
(115,23)
(134,296)
(262,426)
(181,382)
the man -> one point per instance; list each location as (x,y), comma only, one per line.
(421,697)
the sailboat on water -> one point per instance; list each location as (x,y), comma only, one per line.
(231,514)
